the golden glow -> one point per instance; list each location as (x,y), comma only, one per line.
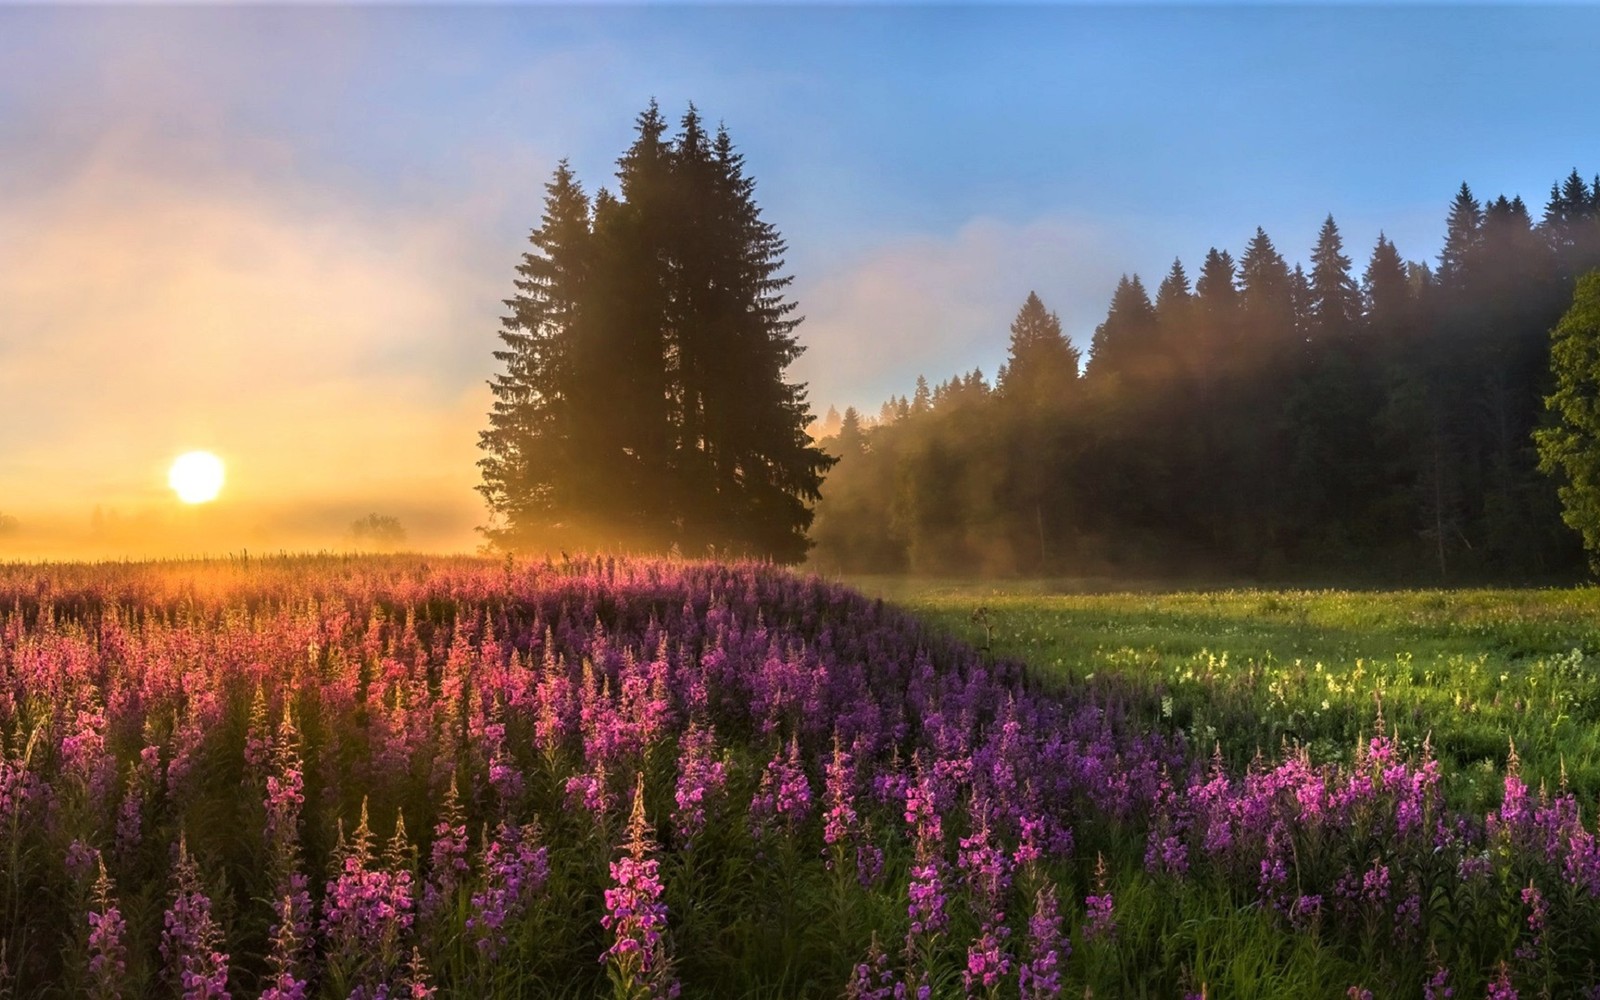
(196,476)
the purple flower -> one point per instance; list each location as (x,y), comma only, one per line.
(447,859)
(784,794)
(1306,911)
(987,959)
(190,938)
(922,814)
(591,791)
(1438,985)
(514,871)
(839,817)
(284,986)
(368,906)
(108,952)
(257,738)
(1538,910)
(1501,988)
(287,945)
(286,789)
(927,900)
(871,979)
(638,961)
(1375,885)
(1100,917)
(985,868)
(81,860)
(702,778)
(1039,974)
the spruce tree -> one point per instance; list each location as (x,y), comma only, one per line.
(1042,364)
(1462,237)
(1122,345)
(768,469)
(1335,299)
(922,398)
(1266,292)
(531,463)
(1386,292)
(1216,302)
(676,424)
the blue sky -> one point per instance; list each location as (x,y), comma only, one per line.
(928,165)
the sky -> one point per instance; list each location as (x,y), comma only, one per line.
(284,233)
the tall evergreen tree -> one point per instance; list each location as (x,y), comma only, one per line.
(532,442)
(1173,295)
(1463,233)
(1174,311)
(1042,364)
(1386,292)
(678,426)
(1266,293)
(922,398)
(1123,343)
(1335,299)
(763,460)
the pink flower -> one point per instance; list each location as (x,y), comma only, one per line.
(638,960)
(190,938)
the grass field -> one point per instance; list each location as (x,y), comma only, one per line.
(1478,671)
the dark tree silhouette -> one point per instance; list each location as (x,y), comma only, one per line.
(1277,420)
(643,402)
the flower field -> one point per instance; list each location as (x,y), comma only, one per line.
(327,777)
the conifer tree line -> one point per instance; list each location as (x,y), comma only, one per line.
(642,402)
(1251,419)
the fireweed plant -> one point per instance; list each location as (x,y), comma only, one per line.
(327,777)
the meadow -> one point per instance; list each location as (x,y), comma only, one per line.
(1477,671)
(386,777)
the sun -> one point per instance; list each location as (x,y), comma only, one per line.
(196,476)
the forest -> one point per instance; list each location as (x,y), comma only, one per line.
(1255,421)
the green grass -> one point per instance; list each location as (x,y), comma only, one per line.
(1473,671)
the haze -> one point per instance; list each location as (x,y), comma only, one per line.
(284,235)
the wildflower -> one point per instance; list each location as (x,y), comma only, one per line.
(927,900)
(591,791)
(257,742)
(784,794)
(1101,922)
(839,815)
(701,781)
(1501,988)
(283,960)
(108,952)
(1438,985)
(1039,974)
(286,788)
(987,960)
(1538,910)
(368,905)
(638,962)
(514,870)
(190,938)
(448,857)
(414,985)
(871,979)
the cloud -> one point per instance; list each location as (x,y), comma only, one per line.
(939,305)
(330,350)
